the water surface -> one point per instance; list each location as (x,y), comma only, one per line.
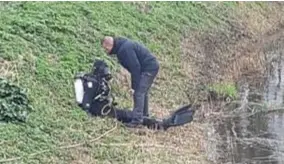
(258,139)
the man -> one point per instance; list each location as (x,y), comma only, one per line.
(143,67)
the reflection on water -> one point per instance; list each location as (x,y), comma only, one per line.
(259,139)
(274,90)
(252,140)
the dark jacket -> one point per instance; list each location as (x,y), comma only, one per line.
(134,57)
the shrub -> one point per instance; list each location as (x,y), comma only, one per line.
(14,103)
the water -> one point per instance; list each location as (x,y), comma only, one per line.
(258,139)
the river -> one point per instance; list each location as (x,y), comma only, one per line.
(258,139)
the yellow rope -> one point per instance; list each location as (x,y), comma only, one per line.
(103,109)
(64,147)
(71,146)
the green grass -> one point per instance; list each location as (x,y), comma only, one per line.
(224,90)
(51,41)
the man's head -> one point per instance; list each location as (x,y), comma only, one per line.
(107,43)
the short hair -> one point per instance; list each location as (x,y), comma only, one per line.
(106,38)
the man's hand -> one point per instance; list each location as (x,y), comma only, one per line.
(131,91)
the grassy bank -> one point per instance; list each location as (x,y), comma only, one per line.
(43,44)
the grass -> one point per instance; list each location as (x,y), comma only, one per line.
(224,90)
(48,42)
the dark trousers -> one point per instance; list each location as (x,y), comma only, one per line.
(141,96)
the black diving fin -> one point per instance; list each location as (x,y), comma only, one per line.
(180,117)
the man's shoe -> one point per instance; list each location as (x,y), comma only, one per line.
(134,124)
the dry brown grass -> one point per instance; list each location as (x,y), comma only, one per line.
(228,54)
(249,53)
(8,69)
(178,145)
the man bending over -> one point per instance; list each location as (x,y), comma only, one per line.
(143,67)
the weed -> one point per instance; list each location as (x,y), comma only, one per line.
(14,103)
(224,90)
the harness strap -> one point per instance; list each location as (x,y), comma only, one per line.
(108,104)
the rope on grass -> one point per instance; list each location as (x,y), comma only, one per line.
(62,147)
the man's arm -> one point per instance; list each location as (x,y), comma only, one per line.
(133,66)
